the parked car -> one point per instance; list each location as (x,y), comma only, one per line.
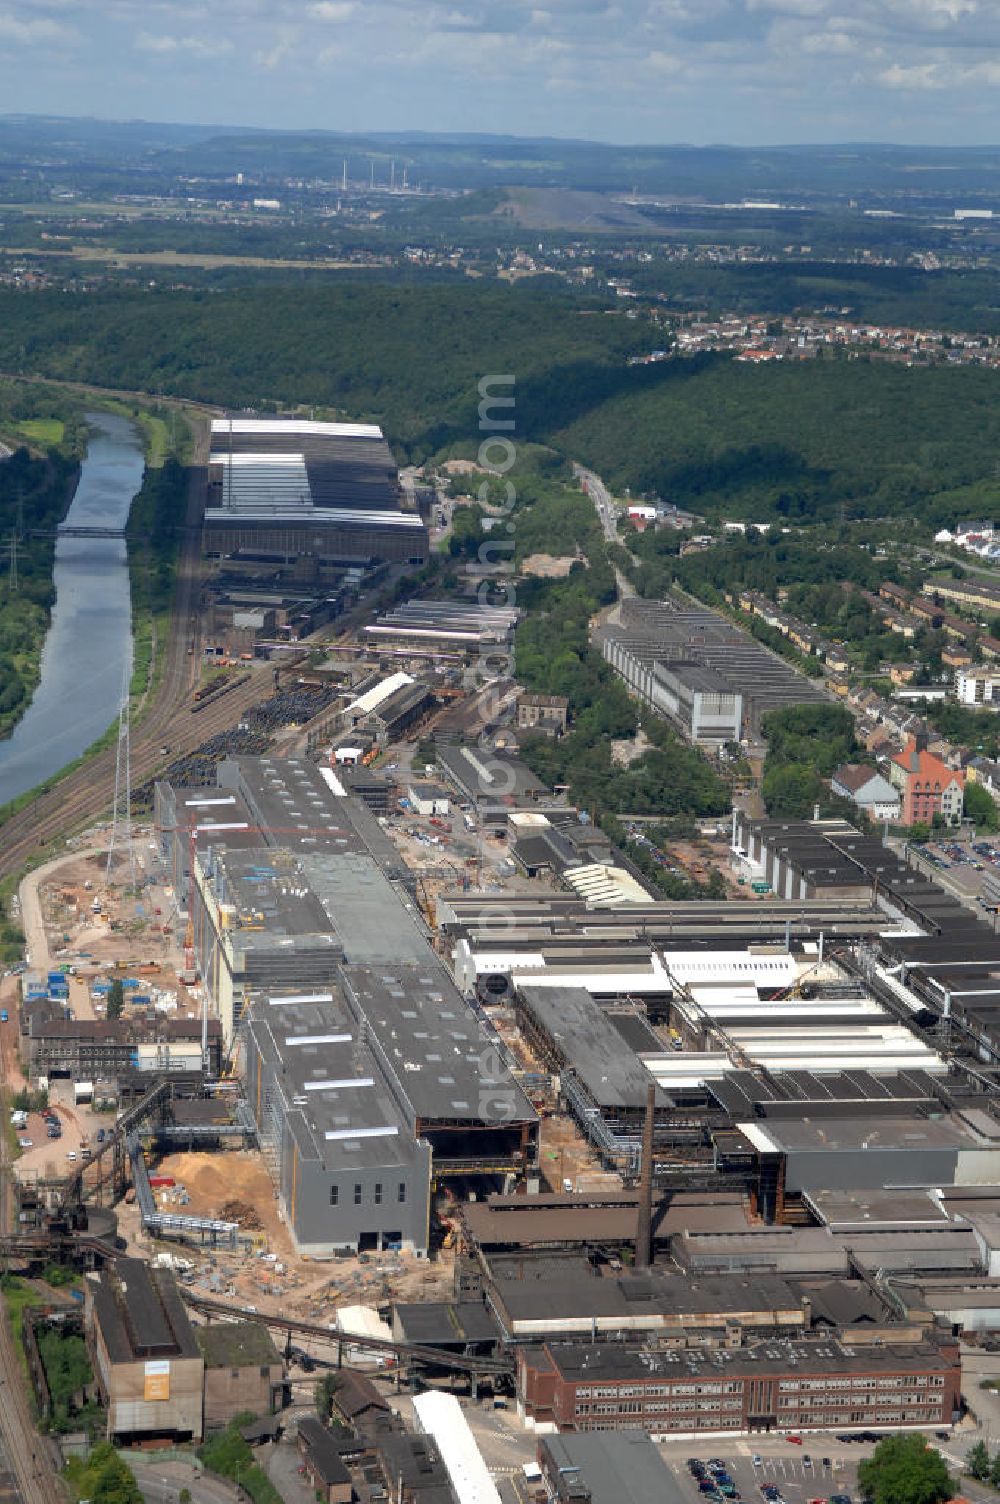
(795,1440)
(757,1460)
(71,1155)
(806,1460)
(24,1143)
(101,1135)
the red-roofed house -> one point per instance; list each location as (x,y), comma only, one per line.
(927,786)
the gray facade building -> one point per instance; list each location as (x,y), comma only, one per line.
(349,1173)
(367,1071)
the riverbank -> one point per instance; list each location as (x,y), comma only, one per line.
(87,654)
(46,440)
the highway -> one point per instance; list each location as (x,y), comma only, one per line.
(599,494)
(601,497)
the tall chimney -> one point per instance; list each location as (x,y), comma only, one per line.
(644,1225)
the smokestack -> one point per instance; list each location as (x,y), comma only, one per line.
(644,1226)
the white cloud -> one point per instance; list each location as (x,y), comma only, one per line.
(332,10)
(829,43)
(34,32)
(194,46)
(920,76)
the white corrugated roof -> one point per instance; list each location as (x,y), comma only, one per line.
(380,692)
(605,885)
(440,1415)
(296,426)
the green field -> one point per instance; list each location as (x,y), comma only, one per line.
(43,430)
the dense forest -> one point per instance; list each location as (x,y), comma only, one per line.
(831,440)
(834,440)
(409,357)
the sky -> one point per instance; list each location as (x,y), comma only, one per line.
(647,71)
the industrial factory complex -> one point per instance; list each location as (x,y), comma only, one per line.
(306,496)
(515,1128)
(698,671)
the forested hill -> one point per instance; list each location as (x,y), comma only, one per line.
(829,439)
(410,357)
(803,441)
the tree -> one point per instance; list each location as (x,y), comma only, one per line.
(905,1470)
(980,806)
(978,1461)
(324,1392)
(116,999)
(104,1478)
(995,1471)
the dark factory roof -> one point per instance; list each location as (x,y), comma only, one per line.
(586,1041)
(141,1315)
(236,1344)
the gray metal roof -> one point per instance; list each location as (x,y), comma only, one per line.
(618,1467)
(588,1043)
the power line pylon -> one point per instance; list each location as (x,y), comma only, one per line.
(121,818)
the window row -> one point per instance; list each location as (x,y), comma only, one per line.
(377,1194)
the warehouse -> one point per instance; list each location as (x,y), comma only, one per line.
(318,936)
(374,692)
(350,1175)
(287,491)
(131,1052)
(449,627)
(771,1385)
(494,783)
(852,1151)
(186,819)
(244,1374)
(148,1365)
(623,1467)
(744,681)
(574,1037)
(440,1417)
(652,1304)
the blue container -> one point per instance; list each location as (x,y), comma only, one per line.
(142,1001)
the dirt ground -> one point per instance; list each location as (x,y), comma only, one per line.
(270,1277)
(548,566)
(212,1180)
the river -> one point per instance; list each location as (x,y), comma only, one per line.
(88,647)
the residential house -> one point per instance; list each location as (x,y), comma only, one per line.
(866,788)
(927,786)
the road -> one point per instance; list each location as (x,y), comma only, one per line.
(601,497)
(161,1482)
(27,1455)
(608,518)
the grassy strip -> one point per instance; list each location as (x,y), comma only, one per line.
(18,1297)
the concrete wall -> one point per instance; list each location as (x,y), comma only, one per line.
(125,1385)
(231,1391)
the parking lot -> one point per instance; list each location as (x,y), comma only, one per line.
(799,1474)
